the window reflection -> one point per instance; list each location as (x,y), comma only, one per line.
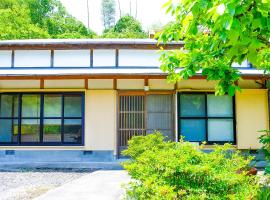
(30,129)
(72,130)
(41,118)
(52,130)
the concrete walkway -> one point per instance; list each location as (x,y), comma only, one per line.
(99,185)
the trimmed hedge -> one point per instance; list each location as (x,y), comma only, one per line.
(169,170)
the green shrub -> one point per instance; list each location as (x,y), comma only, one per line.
(169,170)
(264,194)
(265,140)
(126,27)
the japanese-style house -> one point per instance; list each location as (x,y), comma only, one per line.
(82,100)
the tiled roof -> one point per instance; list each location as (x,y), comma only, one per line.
(100,71)
(85,43)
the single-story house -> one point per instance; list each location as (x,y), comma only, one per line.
(82,100)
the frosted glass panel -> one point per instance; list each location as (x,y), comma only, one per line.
(159,121)
(73,106)
(52,105)
(219,106)
(193,130)
(220,130)
(159,103)
(192,105)
(31,105)
(52,130)
(159,115)
(30,130)
(73,130)
(9,106)
(8,130)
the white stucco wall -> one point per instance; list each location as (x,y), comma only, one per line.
(103,57)
(5,58)
(72,58)
(100,120)
(139,58)
(32,58)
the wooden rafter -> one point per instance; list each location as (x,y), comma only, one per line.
(86,83)
(41,83)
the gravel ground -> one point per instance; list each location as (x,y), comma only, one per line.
(28,184)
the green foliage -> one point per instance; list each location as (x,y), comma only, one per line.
(169,170)
(264,194)
(25,19)
(126,27)
(127,23)
(217,33)
(265,140)
(19,25)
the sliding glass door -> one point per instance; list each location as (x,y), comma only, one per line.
(141,114)
(159,114)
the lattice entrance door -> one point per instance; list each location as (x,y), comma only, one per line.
(131,118)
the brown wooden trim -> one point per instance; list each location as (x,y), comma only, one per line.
(86,83)
(131,93)
(145,113)
(117,125)
(115,84)
(55,77)
(127,76)
(264,83)
(141,92)
(146,82)
(76,46)
(12,58)
(101,76)
(175,86)
(42,83)
(52,58)
(254,77)
(161,92)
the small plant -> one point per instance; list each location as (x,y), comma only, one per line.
(264,194)
(265,140)
(168,170)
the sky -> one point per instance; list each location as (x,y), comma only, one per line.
(149,12)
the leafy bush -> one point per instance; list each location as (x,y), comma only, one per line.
(128,23)
(169,170)
(264,194)
(265,140)
(126,27)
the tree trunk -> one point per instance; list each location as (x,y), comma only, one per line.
(119,7)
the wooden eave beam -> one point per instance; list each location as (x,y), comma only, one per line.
(87,46)
(100,76)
